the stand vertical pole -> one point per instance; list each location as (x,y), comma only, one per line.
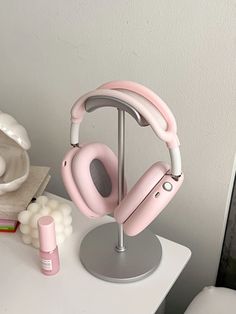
(120,247)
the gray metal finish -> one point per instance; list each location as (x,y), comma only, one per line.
(95,102)
(139,260)
(120,247)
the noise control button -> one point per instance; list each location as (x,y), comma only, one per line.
(167,186)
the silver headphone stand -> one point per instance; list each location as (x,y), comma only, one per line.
(127,259)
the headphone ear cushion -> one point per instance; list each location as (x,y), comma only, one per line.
(139,191)
(95,172)
(71,186)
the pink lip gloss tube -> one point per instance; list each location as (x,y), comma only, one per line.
(48,250)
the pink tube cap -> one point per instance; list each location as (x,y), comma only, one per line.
(47,235)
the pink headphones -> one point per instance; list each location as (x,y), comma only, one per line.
(90,172)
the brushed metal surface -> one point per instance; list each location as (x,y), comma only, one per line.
(100,258)
(120,247)
(95,102)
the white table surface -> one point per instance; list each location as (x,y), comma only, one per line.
(24,289)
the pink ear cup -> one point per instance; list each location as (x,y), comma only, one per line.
(146,199)
(70,185)
(139,191)
(80,167)
(78,182)
(152,205)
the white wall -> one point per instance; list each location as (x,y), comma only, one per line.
(51,52)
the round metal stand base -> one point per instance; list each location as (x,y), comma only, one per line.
(99,256)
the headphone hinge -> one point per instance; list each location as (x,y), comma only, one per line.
(176,178)
(75,145)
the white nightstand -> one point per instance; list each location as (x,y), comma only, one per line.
(73,290)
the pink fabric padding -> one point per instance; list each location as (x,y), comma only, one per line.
(81,173)
(139,191)
(70,185)
(153,98)
(151,206)
(167,136)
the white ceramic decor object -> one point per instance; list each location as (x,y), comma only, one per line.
(14,160)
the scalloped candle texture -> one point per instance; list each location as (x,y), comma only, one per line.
(43,206)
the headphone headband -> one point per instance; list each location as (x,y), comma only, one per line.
(148,112)
(149,95)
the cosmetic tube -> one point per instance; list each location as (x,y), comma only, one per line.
(48,250)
